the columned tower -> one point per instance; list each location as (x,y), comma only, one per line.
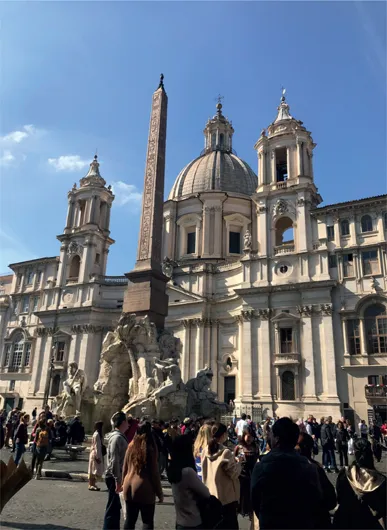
(86,237)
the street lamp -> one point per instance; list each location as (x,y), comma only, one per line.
(47,390)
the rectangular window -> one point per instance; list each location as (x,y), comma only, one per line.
(286,335)
(191,242)
(97,258)
(25,304)
(353,329)
(30,276)
(38,277)
(19,281)
(345,227)
(36,303)
(332,261)
(331,233)
(8,348)
(348,266)
(235,243)
(17,354)
(60,351)
(370,262)
(281,164)
(12,385)
(373,379)
(28,355)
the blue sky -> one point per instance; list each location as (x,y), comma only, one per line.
(76,76)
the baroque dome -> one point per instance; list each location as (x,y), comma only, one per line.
(218,168)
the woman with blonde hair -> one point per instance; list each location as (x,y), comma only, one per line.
(221,476)
(202,441)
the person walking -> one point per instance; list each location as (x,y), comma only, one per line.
(361,492)
(285,488)
(187,488)
(328,446)
(241,426)
(42,438)
(221,475)
(117,445)
(141,478)
(363,430)
(21,437)
(247,453)
(342,438)
(96,464)
(305,446)
(201,442)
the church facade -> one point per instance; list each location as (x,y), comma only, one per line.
(283,298)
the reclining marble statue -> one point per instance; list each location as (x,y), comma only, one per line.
(140,374)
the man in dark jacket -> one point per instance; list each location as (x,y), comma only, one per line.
(285,487)
(328,446)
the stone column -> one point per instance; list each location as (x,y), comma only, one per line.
(206,231)
(262,230)
(199,344)
(260,171)
(76,214)
(289,161)
(264,360)
(245,359)
(214,353)
(69,214)
(336,224)
(345,336)
(299,158)
(309,390)
(363,341)
(273,167)
(300,238)
(185,358)
(328,357)
(108,212)
(352,229)
(218,232)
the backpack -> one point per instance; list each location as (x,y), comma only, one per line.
(43,438)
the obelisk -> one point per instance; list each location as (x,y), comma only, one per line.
(145,294)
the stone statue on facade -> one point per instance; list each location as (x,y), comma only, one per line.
(247,240)
(69,402)
(167,267)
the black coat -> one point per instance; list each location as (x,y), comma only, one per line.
(327,436)
(358,513)
(285,491)
(342,438)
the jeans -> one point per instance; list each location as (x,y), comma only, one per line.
(329,460)
(147,515)
(343,454)
(20,448)
(113,508)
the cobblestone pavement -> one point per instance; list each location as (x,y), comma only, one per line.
(51,504)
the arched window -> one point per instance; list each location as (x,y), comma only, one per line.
(375,317)
(366,223)
(74,268)
(55,384)
(344,227)
(221,140)
(288,390)
(17,351)
(284,231)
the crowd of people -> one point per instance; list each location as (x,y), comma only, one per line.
(48,431)
(218,471)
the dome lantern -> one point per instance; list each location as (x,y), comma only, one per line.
(218,132)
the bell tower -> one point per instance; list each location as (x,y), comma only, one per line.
(285,195)
(86,237)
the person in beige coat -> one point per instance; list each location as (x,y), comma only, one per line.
(221,473)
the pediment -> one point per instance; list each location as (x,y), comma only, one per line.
(285,316)
(182,295)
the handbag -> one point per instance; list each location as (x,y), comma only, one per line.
(315,448)
(211,512)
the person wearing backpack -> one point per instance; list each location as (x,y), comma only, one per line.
(42,438)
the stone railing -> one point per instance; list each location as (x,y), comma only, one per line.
(110,280)
(287,358)
(286,248)
(376,391)
(282,185)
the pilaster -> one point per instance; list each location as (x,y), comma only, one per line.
(264,360)
(328,354)
(307,349)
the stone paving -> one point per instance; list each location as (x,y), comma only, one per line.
(54,504)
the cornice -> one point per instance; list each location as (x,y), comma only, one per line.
(303,286)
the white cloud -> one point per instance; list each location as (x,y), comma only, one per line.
(18,136)
(6,158)
(68,163)
(126,194)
